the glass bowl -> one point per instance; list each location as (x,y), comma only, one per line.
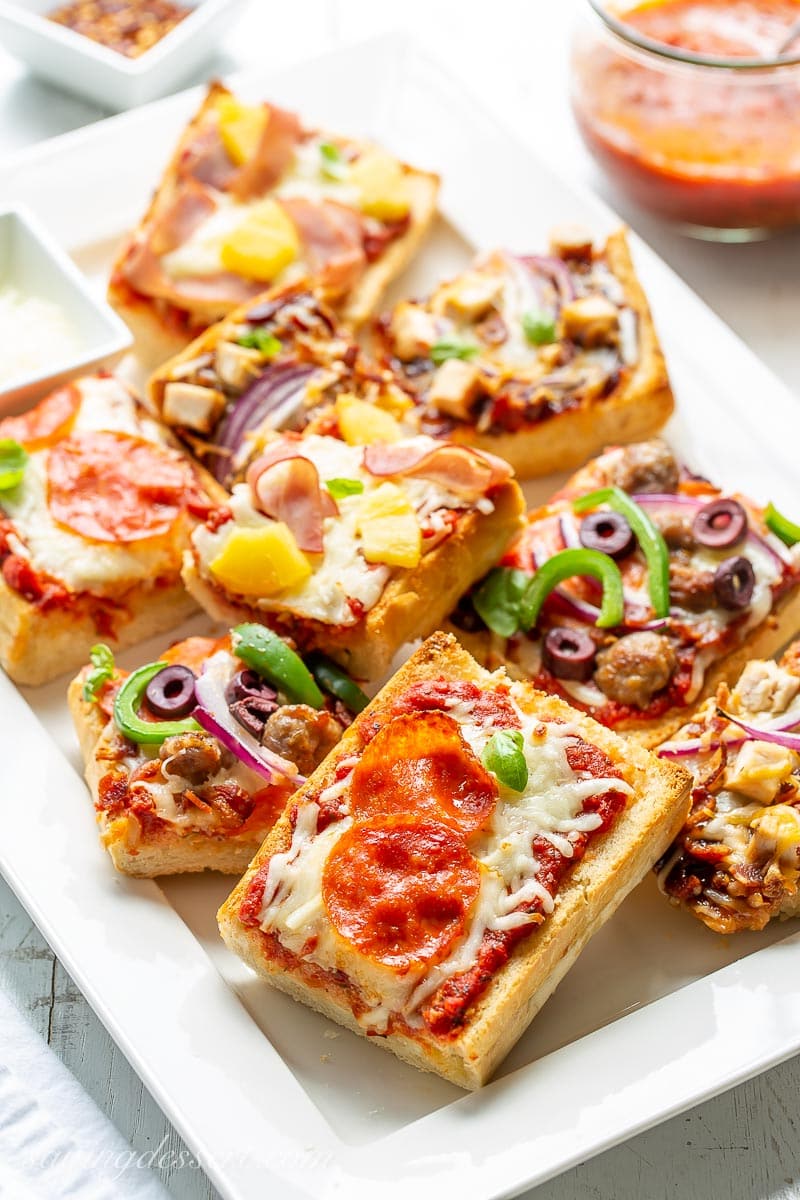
(710,143)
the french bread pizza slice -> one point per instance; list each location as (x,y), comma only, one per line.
(735,865)
(96,508)
(253,198)
(354,549)
(636,591)
(542,359)
(190,759)
(437,876)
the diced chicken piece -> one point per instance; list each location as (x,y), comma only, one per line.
(590,320)
(455,388)
(764,687)
(572,242)
(236,365)
(413,330)
(192,406)
(470,296)
(778,834)
(759,770)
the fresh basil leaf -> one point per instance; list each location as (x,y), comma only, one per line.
(344,487)
(452,348)
(497,600)
(538,328)
(333,165)
(262,340)
(504,756)
(13,458)
(102,661)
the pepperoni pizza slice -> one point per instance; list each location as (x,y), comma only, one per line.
(191,759)
(542,359)
(735,865)
(354,549)
(636,590)
(96,507)
(252,198)
(436,877)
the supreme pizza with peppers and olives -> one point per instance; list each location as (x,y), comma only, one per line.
(434,879)
(636,590)
(354,549)
(253,198)
(542,359)
(282,363)
(190,759)
(96,507)
(736,863)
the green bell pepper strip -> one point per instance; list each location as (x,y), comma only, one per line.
(648,536)
(270,657)
(566,565)
(333,679)
(788,531)
(127,719)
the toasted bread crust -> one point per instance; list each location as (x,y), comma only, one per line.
(37,646)
(158,338)
(613,864)
(148,854)
(414,602)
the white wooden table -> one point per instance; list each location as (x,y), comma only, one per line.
(744,1144)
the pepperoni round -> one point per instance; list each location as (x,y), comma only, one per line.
(48,421)
(400,890)
(111,487)
(194,652)
(420,763)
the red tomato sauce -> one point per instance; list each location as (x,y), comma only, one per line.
(701,144)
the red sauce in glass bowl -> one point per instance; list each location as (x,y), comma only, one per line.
(709,145)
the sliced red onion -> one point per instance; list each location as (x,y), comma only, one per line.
(662,498)
(213,714)
(776,556)
(791,741)
(275,394)
(556,270)
(774,731)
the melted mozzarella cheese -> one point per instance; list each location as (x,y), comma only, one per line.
(79,564)
(342,573)
(550,806)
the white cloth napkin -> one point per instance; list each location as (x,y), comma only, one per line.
(55,1144)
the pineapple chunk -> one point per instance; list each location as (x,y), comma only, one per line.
(389,528)
(261,561)
(382,185)
(241,127)
(361,423)
(264,243)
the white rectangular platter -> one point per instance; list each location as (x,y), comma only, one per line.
(658,1014)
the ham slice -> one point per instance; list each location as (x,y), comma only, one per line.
(274,154)
(176,220)
(206,160)
(333,240)
(285,486)
(143,271)
(459,468)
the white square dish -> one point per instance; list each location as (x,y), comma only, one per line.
(34,268)
(81,65)
(657,1015)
